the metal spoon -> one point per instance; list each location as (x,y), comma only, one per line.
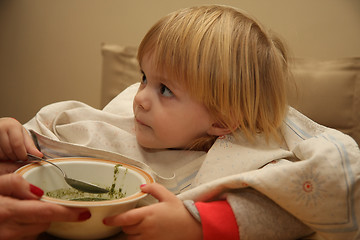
(77,184)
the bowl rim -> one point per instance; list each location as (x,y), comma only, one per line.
(134,197)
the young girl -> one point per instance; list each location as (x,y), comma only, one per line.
(214,85)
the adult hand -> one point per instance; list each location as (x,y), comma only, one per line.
(10,166)
(168,219)
(15,141)
(23,216)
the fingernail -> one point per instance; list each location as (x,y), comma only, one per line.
(35,190)
(142,185)
(84,216)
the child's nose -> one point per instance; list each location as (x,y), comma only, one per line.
(142,99)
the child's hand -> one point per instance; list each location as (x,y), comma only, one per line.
(168,219)
(15,141)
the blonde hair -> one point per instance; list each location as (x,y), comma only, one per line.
(228,62)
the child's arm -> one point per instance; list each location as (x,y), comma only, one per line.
(15,141)
(244,215)
(258,216)
(170,219)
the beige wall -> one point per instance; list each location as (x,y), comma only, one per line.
(50,49)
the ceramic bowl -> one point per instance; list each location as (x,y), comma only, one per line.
(98,171)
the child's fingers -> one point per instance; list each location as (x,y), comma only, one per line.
(30,145)
(129,218)
(17,142)
(12,139)
(159,192)
(6,148)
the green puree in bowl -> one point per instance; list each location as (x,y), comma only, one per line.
(73,194)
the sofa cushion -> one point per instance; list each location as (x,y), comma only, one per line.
(120,69)
(329,93)
(326,91)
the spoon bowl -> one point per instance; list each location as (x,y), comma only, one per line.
(74,183)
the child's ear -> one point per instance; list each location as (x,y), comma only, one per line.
(217,130)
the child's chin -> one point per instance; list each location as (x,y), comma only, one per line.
(146,143)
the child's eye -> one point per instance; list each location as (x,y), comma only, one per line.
(164,90)
(143,79)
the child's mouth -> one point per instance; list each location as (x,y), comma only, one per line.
(141,123)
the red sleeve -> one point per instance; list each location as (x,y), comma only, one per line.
(218,221)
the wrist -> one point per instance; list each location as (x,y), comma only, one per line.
(190,206)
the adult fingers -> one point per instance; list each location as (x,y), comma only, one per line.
(159,192)
(27,237)
(14,185)
(35,211)
(135,237)
(31,230)
(12,230)
(9,166)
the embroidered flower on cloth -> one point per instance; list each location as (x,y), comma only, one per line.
(308,187)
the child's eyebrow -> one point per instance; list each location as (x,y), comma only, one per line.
(167,82)
(158,77)
(163,79)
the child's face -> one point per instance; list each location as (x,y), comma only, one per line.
(165,114)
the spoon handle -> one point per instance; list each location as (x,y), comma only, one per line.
(36,158)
